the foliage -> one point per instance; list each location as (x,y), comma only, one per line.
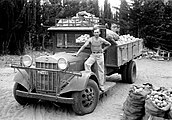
(70,8)
(107,15)
(11,24)
(152,21)
(135,16)
(25,23)
(148,19)
(124,17)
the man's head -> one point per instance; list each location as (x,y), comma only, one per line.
(96,31)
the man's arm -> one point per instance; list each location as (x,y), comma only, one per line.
(108,44)
(83,47)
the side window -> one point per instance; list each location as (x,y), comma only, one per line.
(76,39)
(60,40)
(70,39)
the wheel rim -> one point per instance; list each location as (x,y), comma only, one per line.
(88,97)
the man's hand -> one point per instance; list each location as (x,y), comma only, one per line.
(75,54)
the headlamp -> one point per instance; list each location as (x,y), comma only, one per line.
(27,60)
(62,63)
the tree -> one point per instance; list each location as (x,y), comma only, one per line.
(11,12)
(24,23)
(152,21)
(124,17)
(135,18)
(107,13)
(70,8)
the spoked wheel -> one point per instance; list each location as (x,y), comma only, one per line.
(86,100)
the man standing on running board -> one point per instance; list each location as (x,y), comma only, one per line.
(97,54)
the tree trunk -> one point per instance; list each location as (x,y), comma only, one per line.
(43,42)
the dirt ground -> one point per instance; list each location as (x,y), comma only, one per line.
(158,73)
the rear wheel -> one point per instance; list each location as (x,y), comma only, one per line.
(132,72)
(19,99)
(85,101)
(124,73)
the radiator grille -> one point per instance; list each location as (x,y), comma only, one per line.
(46,65)
(46,81)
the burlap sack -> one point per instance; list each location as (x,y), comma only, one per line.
(134,105)
(169,114)
(131,110)
(154,110)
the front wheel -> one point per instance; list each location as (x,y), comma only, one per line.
(85,101)
(19,99)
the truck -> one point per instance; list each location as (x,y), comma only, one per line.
(61,78)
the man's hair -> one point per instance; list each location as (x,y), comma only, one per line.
(96,28)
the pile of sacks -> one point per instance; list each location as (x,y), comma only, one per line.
(147,100)
(134,105)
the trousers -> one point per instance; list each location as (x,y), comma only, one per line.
(99,59)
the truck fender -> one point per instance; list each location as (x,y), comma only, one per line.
(79,83)
(22,78)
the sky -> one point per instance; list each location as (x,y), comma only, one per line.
(115,3)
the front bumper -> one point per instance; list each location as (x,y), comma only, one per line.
(45,97)
(44,69)
(44,80)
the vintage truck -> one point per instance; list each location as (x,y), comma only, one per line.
(61,77)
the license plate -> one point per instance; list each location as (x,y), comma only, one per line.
(43,72)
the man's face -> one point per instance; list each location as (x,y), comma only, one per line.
(96,33)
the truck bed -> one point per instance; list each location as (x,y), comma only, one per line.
(118,55)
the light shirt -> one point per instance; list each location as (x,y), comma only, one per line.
(96,44)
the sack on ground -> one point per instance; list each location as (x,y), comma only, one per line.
(134,104)
(169,114)
(154,109)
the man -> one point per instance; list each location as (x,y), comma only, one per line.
(97,54)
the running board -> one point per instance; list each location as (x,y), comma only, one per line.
(108,86)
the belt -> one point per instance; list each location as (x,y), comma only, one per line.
(96,52)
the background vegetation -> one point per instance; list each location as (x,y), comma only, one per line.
(23,24)
(152,21)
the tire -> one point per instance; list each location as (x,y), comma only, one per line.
(22,100)
(86,101)
(132,72)
(124,73)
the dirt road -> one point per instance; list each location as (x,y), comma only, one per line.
(159,73)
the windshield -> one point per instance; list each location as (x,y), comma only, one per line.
(71,39)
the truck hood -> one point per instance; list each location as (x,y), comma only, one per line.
(68,56)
